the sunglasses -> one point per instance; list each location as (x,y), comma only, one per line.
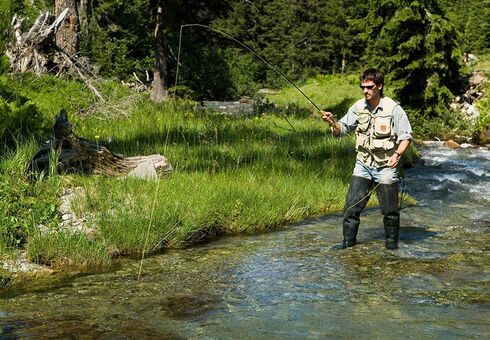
(369,87)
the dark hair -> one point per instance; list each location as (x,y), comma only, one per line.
(374,75)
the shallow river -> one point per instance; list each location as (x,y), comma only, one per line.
(295,283)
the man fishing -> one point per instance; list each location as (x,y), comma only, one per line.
(383,134)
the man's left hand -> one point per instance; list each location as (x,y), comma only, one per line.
(393,161)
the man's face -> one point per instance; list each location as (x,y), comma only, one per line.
(371,90)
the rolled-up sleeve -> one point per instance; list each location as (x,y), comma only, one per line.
(401,124)
(348,122)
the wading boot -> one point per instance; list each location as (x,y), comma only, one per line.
(388,202)
(357,197)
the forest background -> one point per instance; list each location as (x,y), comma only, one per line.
(418,44)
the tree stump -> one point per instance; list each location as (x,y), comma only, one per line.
(37,50)
(73,154)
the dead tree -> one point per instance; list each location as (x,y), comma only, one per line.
(160,82)
(67,32)
(73,154)
(31,51)
(36,50)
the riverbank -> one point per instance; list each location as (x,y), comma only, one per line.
(232,175)
(249,284)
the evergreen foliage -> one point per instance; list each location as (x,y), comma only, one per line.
(302,38)
(414,43)
(120,40)
(5,16)
(471,20)
(119,37)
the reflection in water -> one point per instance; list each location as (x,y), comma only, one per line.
(295,283)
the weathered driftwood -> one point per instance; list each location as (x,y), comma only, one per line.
(78,155)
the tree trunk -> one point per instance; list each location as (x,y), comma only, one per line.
(160,77)
(84,12)
(67,34)
(343,62)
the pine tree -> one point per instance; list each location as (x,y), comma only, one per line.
(415,44)
(471,19)
(5,17)
(300,37)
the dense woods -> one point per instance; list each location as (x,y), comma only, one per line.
(419,44)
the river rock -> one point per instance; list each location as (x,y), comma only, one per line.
(452,144)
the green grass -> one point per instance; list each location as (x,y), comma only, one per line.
(483,63)
(24,202)
(231,175)
(68,250)
(330,92)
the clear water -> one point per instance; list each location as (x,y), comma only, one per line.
(295,283)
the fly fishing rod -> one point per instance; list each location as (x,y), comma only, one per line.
(251,50)
(248,48)
(333,120)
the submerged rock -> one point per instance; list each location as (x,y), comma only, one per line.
(452,144)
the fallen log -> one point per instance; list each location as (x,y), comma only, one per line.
(72,154)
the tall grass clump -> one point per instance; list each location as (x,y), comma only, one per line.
(25,202)
(67,250)
(231,175)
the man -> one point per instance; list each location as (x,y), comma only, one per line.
(383,134)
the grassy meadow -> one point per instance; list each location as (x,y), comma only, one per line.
(231,174)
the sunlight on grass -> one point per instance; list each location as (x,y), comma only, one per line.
(231,174)
(483,63)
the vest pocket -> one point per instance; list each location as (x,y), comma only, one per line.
(362,140)
(363,122)
(382,127)
(382,144)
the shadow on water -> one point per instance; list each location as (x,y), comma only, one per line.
(415,234)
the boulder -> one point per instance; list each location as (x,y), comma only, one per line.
(452,144)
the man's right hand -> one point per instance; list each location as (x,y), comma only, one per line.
(330,119)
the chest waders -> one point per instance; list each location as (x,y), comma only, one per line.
(375,144)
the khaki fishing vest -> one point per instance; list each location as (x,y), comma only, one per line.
(376,139)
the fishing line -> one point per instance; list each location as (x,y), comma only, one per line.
(402,181)
(362,199)
(250,50)
(148,229)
